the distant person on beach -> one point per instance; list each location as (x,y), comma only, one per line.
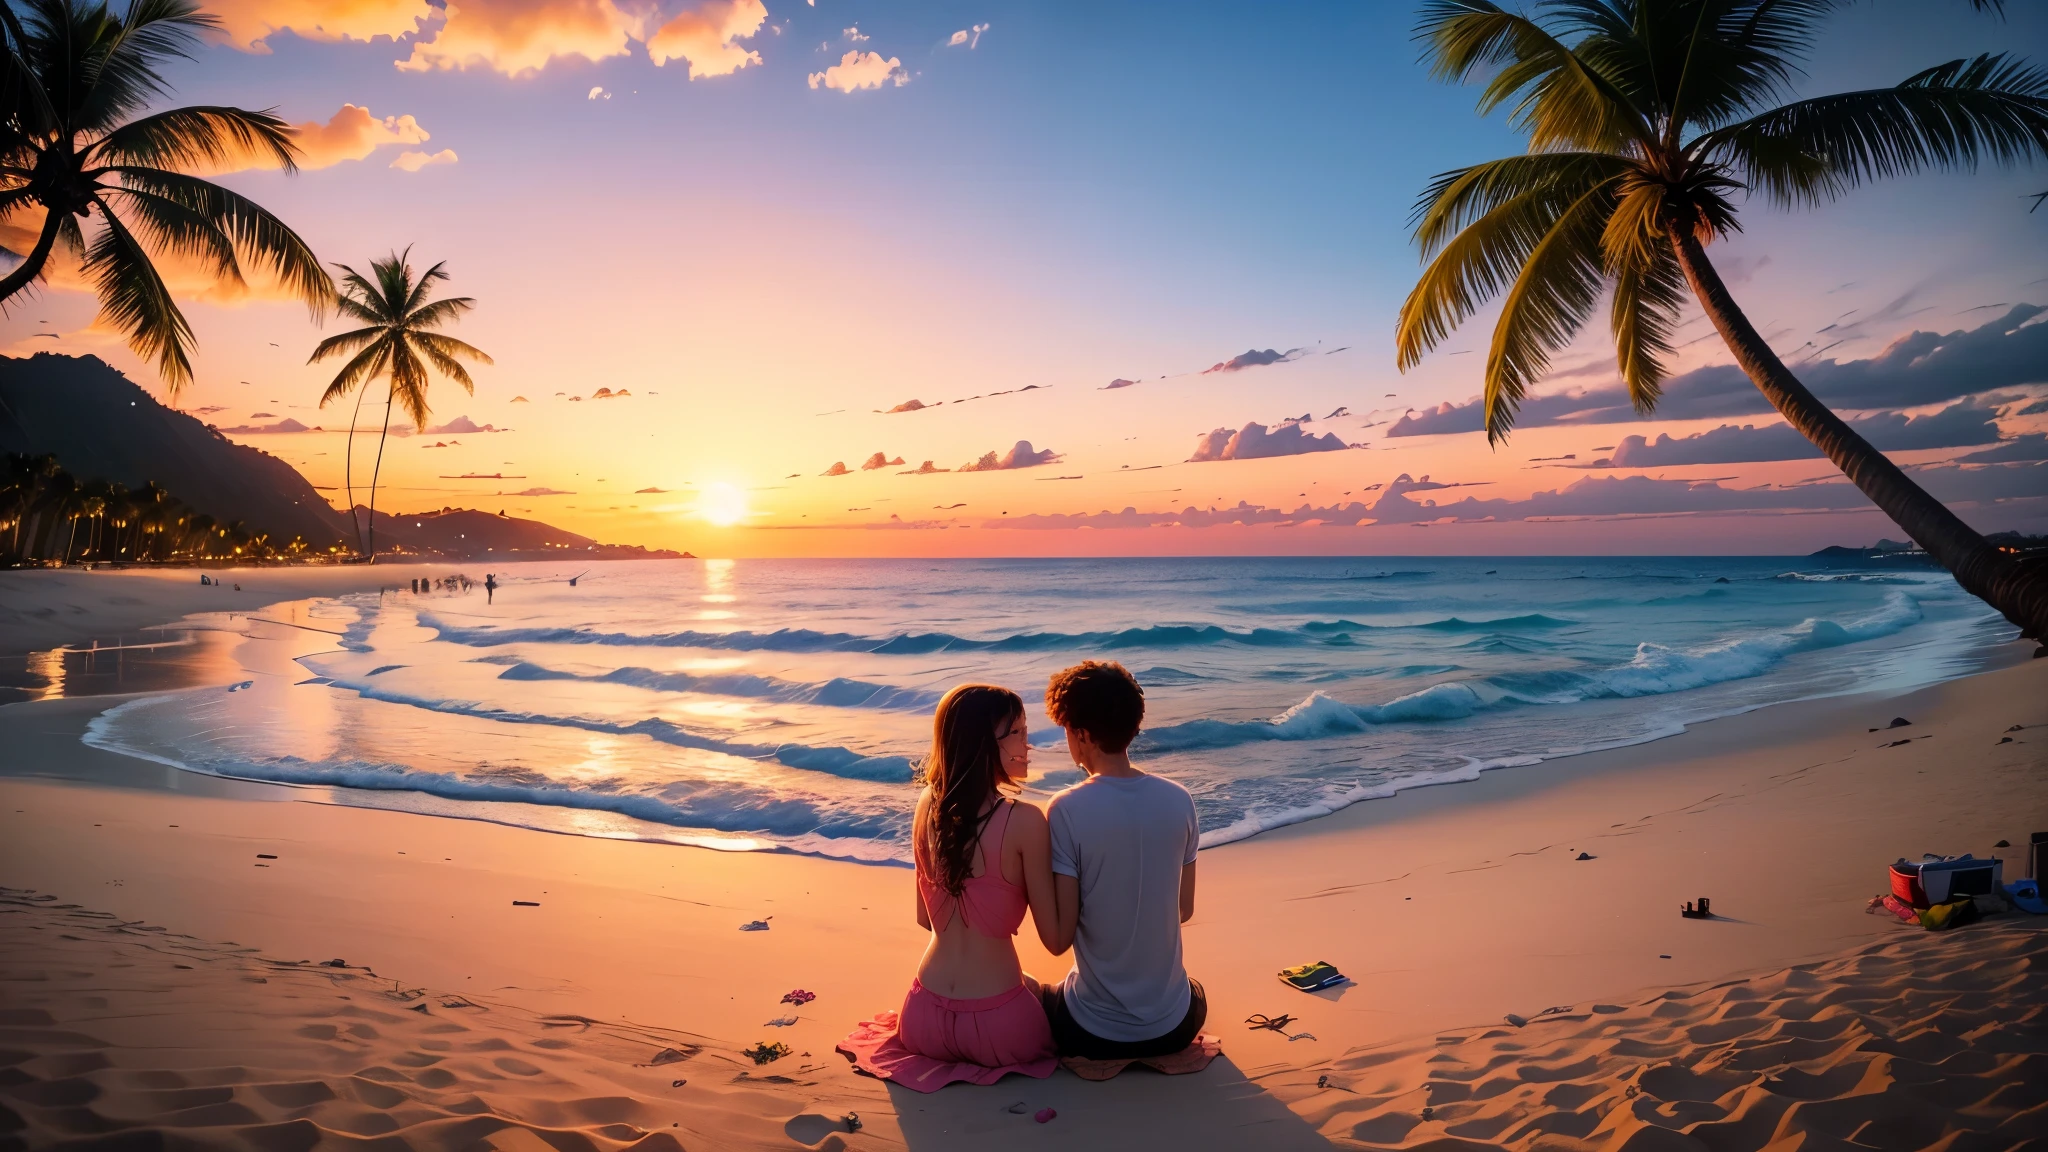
(982,857)
(1123,862)
(490,586)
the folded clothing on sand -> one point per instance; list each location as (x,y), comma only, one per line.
(1949,914)
(1312,977)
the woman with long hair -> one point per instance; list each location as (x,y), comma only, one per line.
(983,857)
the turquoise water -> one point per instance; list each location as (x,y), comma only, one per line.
(784,704)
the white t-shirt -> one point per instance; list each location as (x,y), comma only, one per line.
(1126,839)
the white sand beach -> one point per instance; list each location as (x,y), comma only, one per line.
(163,935)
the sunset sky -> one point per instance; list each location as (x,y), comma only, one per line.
(772,225)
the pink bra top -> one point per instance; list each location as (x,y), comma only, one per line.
(988,903)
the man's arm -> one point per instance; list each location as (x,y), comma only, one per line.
(1187,892)
(1066,884)
(1067,894)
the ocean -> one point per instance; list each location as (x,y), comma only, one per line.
(784,704)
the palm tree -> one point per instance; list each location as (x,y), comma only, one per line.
(399,345)
(73,80)
(1645,119)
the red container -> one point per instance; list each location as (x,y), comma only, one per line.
(1906,885)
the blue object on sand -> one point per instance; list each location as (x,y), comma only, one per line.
(2026,895)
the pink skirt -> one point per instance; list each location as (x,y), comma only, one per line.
(935,1041)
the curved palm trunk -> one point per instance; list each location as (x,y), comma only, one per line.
(382,435)
(348,458)
(2018,590)
(32,266)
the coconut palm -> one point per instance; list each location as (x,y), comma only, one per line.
(74,80)
(1646,120)
(399,345)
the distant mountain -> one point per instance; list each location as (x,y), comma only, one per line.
(101,426)
(1881,548)
(2016,543)
(467,534)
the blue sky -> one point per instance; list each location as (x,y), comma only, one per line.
(1088,192)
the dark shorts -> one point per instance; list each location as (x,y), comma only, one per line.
(1073,1040)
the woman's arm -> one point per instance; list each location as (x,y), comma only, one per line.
(1032,843)
(1187,893)
(924,915)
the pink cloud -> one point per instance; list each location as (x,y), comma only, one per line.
(1255,442)
(1020,455)
(415,160)
(857,70)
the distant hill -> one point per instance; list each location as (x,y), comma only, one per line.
(2014,542)
(101,426)
(467,534)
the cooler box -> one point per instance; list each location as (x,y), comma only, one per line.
(1937,881)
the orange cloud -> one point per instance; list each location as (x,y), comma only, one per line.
(414,161)
(246,24)
(518,37)
(352,134)
(857,70)
(704,37)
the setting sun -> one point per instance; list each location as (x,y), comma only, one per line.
(723,505)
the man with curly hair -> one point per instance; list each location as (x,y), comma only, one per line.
(1123,862)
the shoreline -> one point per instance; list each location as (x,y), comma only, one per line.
(183,602)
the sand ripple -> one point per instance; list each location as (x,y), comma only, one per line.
(1924,1041)
(119,1035)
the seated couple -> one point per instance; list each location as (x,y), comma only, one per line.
(1108,870)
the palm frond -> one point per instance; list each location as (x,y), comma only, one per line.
(30,113)
(257,235)
(166,225)
(199,136)
(439,312)
(409,381)
(1487,254)
(135,300)
(362,300)
(1559,284)
(449,365)
(1950,117)
(425,286)
(450,346)
(1560,100)
(394,281)
(345,342)
(123,69)
(1649,289)
(365,366)
(1457,198)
